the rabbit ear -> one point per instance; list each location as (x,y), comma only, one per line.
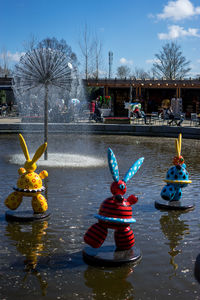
(133,169)
(180,142)
(24,147)
(112,162)
(39,152)
(177,147)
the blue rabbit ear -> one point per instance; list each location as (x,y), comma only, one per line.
(133,169)
(113,166)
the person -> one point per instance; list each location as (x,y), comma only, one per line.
(177,119)
(181,120)
(170,115)
(71,112)
(92,109)
(139,114)
(97,113)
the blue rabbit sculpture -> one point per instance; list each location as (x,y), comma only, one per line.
(177,177)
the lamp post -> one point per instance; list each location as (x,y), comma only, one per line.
(110,55)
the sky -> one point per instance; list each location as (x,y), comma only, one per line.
(134,30)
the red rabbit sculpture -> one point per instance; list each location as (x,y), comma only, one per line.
(115,212)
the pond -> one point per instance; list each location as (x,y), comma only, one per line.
(168,241)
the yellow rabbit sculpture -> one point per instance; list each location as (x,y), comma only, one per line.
(29,183)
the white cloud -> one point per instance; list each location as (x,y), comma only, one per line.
(14,57)
(102,73)
(124,61)
(198,60)
(151,61)
(179,10)
(175,31)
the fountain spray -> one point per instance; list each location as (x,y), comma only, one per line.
(43,68)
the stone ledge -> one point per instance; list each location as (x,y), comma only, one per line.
(104,129)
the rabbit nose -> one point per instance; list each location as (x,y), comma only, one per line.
(119,198)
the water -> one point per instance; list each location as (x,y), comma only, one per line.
(63,160)
(43,260)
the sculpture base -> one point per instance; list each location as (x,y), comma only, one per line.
(25,216)
(173,205)
(197,268)
(110,257)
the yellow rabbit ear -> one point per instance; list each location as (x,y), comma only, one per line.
(177,147)
(180,142)
(24,147)
(39,152)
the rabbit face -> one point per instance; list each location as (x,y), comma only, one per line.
(118,188)
(30,166)
(178,160)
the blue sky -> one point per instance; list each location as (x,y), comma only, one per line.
(133,30)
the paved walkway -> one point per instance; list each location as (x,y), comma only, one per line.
(17,120)
(11,120)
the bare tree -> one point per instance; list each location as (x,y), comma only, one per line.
(30,44)
(86,49)
(97,56)
(62,46)
(141,73)
(4,68)
(123,71)
(170,63)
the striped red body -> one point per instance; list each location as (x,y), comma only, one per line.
(124,237)
(114,209)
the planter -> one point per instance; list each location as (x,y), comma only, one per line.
(117,120)
(106,112)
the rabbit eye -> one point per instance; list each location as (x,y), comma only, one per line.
(122,186)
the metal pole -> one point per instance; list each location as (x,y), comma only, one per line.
(131,93)
(110,54)
(46,120)
(130,98)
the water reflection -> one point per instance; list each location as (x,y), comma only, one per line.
(174,230)
(28,239)
(109,283)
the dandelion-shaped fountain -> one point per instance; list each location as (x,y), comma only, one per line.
(47,74)
(42,69)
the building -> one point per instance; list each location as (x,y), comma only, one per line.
(149,92)
(6,91)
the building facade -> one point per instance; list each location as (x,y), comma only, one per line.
(150,93)
(6,92)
